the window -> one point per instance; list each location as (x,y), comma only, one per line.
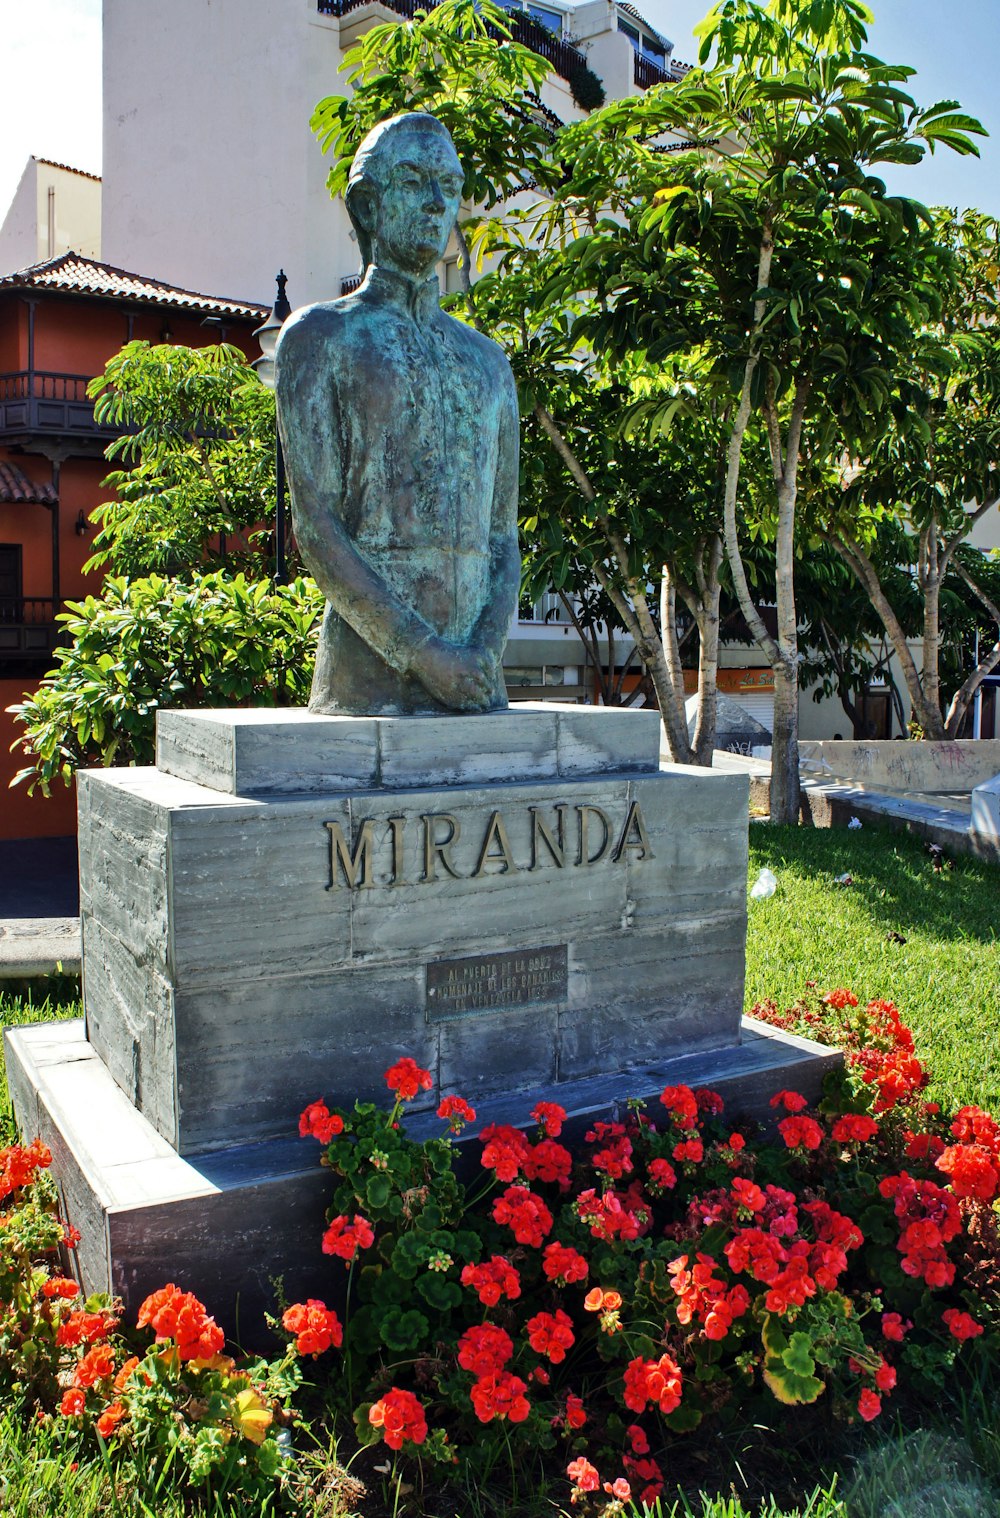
(643,43)
(10,582)
(550,19)
(545,16)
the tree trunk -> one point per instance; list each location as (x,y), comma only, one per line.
(784,746)
(705,609)
(862,567)
(930,717)
(987,664)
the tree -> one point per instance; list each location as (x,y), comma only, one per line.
(615,524)
(198,444)
(188,615)
(935,464)
(780,262)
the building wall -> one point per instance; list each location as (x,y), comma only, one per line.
(212,178)
(72,336)
(19,232)
(29,235)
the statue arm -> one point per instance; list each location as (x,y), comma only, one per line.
(493,627)
(310,426)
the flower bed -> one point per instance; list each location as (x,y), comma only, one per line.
(587,1310)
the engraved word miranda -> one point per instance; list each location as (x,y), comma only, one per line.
(400,851)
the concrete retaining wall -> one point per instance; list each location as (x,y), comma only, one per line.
(890,765)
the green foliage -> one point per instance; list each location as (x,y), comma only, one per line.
(198,445)
(586,88)
(145,644)
(946,973)
(459,62)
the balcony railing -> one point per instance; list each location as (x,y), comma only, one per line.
(564,58)
(646,73)
(27,627)
(41,402)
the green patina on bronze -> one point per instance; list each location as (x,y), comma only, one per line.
(400,432)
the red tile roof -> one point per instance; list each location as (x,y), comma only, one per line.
(54,163)
(72,274)
(17,488)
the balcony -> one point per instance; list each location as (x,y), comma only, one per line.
(646,73)
(564,58)
(37,404)
(28,630)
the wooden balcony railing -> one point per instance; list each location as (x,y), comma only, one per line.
(43,403)
(28,629)
(564,58)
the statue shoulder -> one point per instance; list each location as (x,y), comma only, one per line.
(486,349)
(308,327)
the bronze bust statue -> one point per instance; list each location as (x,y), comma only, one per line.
(400,432)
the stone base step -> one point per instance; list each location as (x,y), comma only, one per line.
(224,1225)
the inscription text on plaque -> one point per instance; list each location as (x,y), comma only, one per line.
(483,982)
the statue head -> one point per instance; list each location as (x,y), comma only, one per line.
(404,191)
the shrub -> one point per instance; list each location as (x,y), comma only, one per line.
(220,640)
(586,88)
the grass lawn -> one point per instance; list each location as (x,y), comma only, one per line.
(945,978)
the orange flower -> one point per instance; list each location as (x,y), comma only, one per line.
(110,1419)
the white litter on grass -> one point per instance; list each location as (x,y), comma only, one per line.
(765,885)
(855,822)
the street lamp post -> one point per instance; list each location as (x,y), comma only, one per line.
(267,337)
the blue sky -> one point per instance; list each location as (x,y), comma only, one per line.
(52,82)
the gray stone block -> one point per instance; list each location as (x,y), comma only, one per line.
(298,931)
(247,752)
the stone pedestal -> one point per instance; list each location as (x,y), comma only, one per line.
(524,902)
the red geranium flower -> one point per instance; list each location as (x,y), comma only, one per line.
(345,1238)
(657,1381)
(98,1364)
(400,1416)
(894,1327)
(500,1395)
(493,1279)
(961,1325)
(869,1404)
(483,1348)
(528,1218)
(405,1079)
(792,1101)
(550,1116)
(801,1132)
(178,1315)
(61,1286)
(563,1264)
(456,1111)
(551,1334)
(110,1419)
(681,1103)
(505,1150)
(854,1128)
(317,1121)
(576,1413)
(316,1327)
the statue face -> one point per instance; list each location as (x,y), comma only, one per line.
(418,206)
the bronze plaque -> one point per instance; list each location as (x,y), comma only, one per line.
(489,982)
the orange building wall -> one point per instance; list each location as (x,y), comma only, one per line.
(71,336)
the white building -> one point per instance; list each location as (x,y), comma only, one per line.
(212,178)
(55,210)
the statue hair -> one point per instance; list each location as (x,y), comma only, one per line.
(368,168)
